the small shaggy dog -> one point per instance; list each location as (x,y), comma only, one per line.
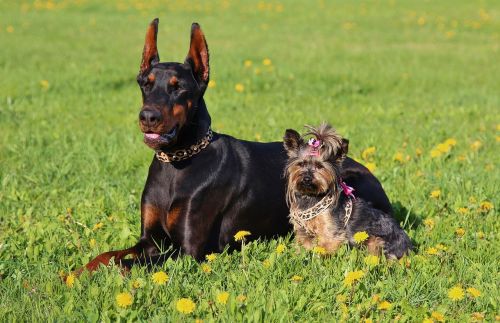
(323,209)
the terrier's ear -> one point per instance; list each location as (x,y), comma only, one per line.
(198,57)
(291,142)
(344,148)
(150,53)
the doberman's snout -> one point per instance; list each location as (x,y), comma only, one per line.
(150,118)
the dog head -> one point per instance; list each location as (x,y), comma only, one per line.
(314,166)
(170,91)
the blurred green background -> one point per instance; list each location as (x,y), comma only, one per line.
(400,76)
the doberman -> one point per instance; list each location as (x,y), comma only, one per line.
(203,186)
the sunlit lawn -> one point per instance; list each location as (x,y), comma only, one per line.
(413,85)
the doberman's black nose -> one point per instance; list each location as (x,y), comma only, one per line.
(150,118)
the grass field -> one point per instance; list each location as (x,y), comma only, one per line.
(416,80)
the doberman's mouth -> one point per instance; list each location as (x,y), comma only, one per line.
(155,139)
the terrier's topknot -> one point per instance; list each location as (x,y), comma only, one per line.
(331,140)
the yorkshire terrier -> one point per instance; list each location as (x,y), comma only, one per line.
(324,211)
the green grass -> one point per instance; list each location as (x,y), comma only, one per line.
(396,75)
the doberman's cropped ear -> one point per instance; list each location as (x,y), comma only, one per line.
(150,53)
(291,142)
(198,56)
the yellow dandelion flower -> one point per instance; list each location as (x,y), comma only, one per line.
(241,298)
(222,297)
(435,153)
(473,292)
(360,236)
(480,317)
(418,152)
(441,246)
(427,320)
(460,232)
(341,298)
(444,148)
(348,25)
(266,263)
(435,194)
(70,280)
(449,34)
(399,157)
(280,248)
(456,293)
(124,299)
(429,223)
(239,87)
(371,166)
(368,320)
(384,305)
(10,29)
(185,306)
(319,250)
(267,62)
(198,321)
(352,277)
(431,251)
(97,226)
(372,260)
(438,316)
(480,235)
(375,298)
(206,268)
(44,84)
(247,63)
(297,278)
(241,235)
(476,145)
(211,84)
(92,243)
(160,278)
(138,283)
(485,206)
(498,127)
(450,142)
(211,257)
(497,138)
(368,152)
(421,21)
(463,210)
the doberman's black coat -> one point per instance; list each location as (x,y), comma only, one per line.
(195,206)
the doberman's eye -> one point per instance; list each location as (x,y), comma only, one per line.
(173,82)
(151,78)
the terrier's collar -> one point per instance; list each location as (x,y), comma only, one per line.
(301,217)
(186,153)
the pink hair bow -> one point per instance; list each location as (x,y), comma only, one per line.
(314,146)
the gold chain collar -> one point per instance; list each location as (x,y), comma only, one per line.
(301,217)
(186,153)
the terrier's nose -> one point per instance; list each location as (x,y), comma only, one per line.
(150,118)
(307,179)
